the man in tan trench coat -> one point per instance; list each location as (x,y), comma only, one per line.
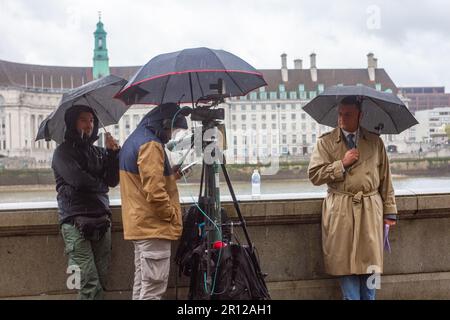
(360,198)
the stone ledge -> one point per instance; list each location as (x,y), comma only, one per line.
(27,222)
(393,287)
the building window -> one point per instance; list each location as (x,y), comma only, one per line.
(274,107)
(274,117)
(312,94)
(253,96)
(304,138)
(303,95)
(313,126)
(283,126)
(263,117)
(254,126)
(283,95)
(293,95)
(294,126)
(320,87)
(263,107)
(244,127)
(273,95)
(264,126)
(378,86)
(264,139)
(243,117)
(127,125)
(281,88)
(303,126)
(293,116)
(233,117)
(263,95)
(253,117)
(283,138)
(136,120)
(314,138)
(294,138)
(253,107)
(243,107)
(283,116)
(303,116)
(274,126)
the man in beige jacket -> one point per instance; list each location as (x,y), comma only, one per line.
(151,212)
(360,200)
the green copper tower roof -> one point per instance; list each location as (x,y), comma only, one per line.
(101,60)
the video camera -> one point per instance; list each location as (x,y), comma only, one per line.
(205,111)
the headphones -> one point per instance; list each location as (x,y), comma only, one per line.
(167,124)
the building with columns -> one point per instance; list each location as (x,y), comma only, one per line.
(269,120)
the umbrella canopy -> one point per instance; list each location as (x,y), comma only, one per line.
(383,112)
(97,94)
(186,75)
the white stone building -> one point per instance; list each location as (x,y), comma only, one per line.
(268,121)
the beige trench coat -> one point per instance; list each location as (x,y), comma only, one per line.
(352,212)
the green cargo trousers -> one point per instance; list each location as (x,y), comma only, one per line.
(91,257)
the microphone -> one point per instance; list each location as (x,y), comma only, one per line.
(183,142)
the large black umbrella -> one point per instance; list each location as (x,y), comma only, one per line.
(383,112)
(97,94)
(186,75)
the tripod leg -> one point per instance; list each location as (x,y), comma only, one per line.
(236,205)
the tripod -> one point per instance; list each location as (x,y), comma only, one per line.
(241,276)
(209,199)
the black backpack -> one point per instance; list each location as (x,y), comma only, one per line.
(236,272)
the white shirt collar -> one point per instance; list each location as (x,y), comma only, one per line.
(346,133)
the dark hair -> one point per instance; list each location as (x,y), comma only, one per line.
(352,101)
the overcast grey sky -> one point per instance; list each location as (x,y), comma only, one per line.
(411,39)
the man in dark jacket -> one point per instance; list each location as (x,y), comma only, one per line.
(83,174)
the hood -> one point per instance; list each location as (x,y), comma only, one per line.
(161,118)
(70,118)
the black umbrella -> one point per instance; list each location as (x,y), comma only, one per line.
(384,112)
(97,94)
(186,75)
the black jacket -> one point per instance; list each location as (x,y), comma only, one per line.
(83,173)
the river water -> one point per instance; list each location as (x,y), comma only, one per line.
(47,193)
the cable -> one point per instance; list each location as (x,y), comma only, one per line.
(213,223)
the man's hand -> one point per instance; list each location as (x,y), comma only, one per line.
(177,172)
(110,142)
(351,156)
(390,222)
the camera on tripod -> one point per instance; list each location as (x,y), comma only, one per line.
(205,113)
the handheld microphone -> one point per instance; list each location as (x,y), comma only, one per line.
(183,142)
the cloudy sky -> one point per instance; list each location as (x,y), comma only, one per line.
(411,39)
